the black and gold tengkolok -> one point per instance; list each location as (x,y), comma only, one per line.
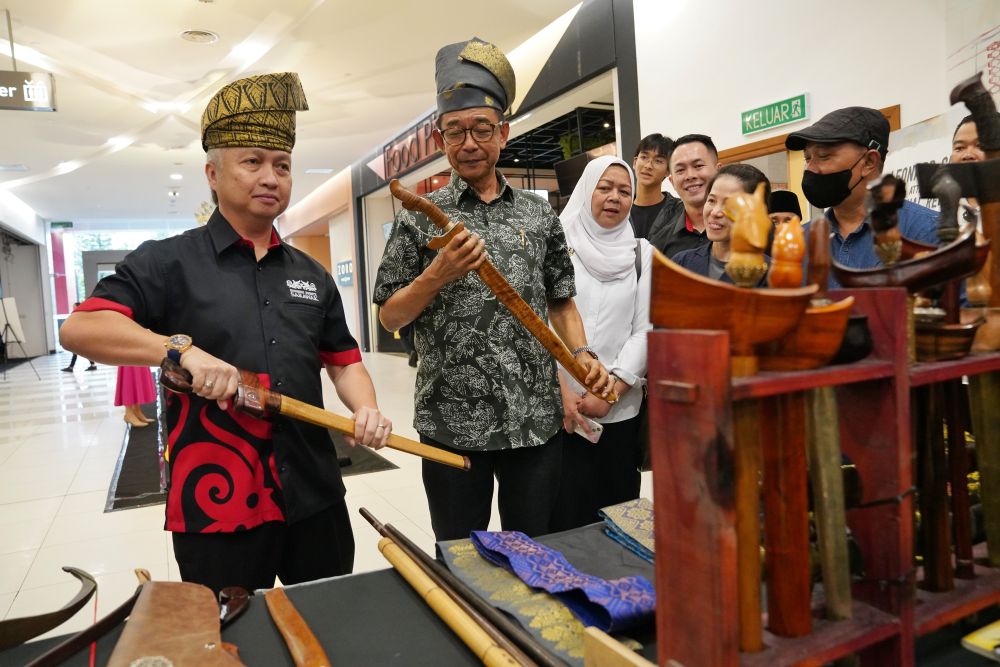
(255,112)
(473,74)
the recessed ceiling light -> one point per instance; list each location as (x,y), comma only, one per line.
(120,142)
(13,167)
(176,177)
(517,159)
(319,170)
(200,36)
(607,125)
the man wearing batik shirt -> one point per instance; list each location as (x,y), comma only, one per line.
(485,387)
(249,499)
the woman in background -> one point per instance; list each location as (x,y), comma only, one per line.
(135,389)
(612,294)
(710,260)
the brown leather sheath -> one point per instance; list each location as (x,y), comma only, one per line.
(302,643)
(175,621)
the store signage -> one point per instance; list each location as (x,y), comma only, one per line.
(411,149)
(27,91)
(345,273)
(775,114)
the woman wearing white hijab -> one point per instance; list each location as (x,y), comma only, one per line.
(613,300)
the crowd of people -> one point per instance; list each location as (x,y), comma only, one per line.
(251,499)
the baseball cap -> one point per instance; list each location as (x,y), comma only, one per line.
(864,126)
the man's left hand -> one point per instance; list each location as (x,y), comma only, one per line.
(594,407)
(371,428)
(598,379)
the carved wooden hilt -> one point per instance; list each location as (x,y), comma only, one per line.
(787,251)
(746,265)
(948,192)
(250,397)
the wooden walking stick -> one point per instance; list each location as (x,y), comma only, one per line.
(261,401)
(506,294)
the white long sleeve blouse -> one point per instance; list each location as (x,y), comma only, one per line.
(616,318)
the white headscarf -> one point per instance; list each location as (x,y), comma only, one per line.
(607,254)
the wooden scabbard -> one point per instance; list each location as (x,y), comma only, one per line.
(302,643)
(505,294)
(932,482)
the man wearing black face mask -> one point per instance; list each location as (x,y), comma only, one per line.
(844,152)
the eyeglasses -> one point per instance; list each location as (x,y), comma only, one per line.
(659,161)
(455,136)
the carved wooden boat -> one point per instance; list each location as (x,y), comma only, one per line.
(951,262)
(812,343)
(685,300)
(913,248)
(939,341)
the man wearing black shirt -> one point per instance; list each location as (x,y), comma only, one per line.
(650,162)
(249,498)
(693,163)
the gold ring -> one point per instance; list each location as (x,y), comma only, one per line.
(379,426)
(209,384)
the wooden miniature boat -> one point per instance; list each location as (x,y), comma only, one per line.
(938,341)
(812,343)
(915,249)
(686,300)
(951,262)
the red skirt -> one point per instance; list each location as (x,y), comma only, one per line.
(135,386)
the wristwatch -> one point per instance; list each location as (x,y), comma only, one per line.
(177,345)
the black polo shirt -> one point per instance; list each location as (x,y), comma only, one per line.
(674,233)
(280,317)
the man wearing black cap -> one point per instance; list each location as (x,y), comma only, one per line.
(249,498)
(782,206)
(845,151)
(485,387)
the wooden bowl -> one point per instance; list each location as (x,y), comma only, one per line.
(812,343)
(940,342)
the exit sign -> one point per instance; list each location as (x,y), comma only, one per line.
(774,114)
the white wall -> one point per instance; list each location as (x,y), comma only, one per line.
(21,219)
(342,248)
(22,279)
(701,63)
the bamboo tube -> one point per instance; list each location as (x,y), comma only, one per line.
(505,294)
(746,432)
(480,643)
(823,429)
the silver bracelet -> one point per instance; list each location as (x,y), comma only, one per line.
(586,348)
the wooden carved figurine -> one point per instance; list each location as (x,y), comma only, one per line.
(746,264)
(787,251)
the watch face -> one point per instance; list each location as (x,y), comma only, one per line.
(179,341)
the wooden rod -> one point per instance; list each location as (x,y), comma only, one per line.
(958,468)
(506,294)
(478,641)
(933,487)
(746,436)
(823,429)
(786,515)
(984,396)
(301,642)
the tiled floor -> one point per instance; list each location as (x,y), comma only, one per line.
(59,439)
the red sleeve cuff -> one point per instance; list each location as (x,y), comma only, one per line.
(97,303)
(344,358)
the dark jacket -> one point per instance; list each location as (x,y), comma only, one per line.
(669,233)
(697,260)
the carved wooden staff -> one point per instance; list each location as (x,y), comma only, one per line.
(506,294)
(260,402)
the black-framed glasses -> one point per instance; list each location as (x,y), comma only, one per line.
(455,136)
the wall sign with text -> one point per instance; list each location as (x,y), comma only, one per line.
(345,273)
(27,91)
(774,114)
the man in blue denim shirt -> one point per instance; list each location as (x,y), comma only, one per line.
(845,151)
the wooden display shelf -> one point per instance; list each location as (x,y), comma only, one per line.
(774,383)
(936,610)
(940,371)
(828,641)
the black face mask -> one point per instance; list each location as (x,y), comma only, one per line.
(826,190)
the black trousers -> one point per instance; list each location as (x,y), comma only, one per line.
(597,475)
(460,501)
(317,547)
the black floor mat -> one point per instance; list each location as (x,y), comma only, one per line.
(136,482)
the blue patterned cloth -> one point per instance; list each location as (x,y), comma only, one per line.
(608,605)
(631,525)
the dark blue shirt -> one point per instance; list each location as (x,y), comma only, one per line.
(857,251)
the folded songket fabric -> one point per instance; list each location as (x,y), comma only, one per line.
(608,605)
(631,525)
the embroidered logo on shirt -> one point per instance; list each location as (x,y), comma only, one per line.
(302,289)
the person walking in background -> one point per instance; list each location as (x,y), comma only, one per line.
(613,276)
(135,389)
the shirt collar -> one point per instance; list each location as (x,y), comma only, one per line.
(223,235)
(835,226)
(459,186)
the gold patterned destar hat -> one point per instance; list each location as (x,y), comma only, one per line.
(255,112)
(473,74)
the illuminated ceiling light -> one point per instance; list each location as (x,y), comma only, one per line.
(120,142)
(517,159)
(172,107)
(319,170)
(607,125)
(173,194)
(176,177)
(249,51)
(200,36)
(68,166)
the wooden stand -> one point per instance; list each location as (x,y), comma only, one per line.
(693,402)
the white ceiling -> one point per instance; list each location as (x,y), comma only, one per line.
(366,65)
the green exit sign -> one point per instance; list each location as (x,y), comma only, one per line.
(774,114)
(61,225)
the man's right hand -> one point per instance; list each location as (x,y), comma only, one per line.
(211,378)
(465,252)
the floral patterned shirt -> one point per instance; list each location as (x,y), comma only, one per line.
(484,382)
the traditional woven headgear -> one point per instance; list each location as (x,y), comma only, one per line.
(473,74)
(255,112)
